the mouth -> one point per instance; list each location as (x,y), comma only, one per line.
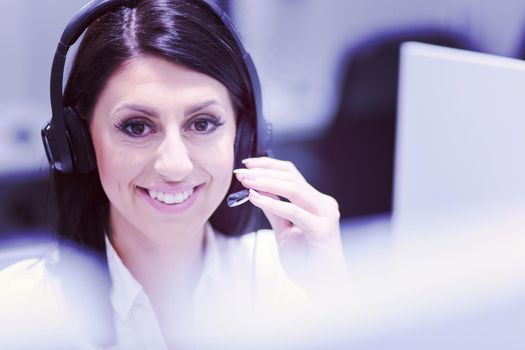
(170,198)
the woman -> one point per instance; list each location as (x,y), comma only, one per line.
(163,89)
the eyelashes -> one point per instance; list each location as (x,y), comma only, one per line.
(135,127)
(143,127)
(204,124)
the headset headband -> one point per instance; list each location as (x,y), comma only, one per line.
(264,131)
(85,16)
(57,146)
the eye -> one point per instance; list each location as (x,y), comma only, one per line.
(136,127)
(204,124)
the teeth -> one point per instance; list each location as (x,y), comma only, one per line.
(170,198)
(178,198)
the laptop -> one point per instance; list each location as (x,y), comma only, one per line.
(460,144)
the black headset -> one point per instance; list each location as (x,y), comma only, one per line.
(66,137)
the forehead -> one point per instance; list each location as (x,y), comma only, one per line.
(150,79)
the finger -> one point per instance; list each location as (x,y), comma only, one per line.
(288,211)
(278,224)
(299,190)
(296,191)
(299,193)
(272,163)
(264,172)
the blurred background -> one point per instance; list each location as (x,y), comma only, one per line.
(329,74)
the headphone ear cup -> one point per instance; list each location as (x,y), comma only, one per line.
(59,159)
(84,160)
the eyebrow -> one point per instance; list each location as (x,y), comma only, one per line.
(137,108)
(152,113)
(200,106)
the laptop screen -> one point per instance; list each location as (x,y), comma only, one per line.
(460,141)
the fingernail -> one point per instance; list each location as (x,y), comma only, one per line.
(253,192)
(246,160)
(241,176)
(246,173)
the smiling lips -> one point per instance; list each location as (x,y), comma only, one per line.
(170,198)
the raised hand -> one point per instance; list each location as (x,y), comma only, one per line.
(306,223)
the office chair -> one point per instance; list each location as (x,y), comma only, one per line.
(358,149)
(26,204)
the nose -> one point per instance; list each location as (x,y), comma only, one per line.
(173,162)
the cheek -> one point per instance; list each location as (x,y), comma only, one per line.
(103,152)
(221,158)
(218,159)
(116,164)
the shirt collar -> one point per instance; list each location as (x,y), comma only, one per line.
(211,260)
(126,289)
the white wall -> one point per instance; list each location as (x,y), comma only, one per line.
(30,30)
(29,33)
(297,44)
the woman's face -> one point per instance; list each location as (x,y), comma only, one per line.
(164,140)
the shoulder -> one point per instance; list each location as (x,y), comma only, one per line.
(260,253)
(29,300)
(261,241)
(26,278)
(29,283)
(258,247)
(33,301)
(264,249)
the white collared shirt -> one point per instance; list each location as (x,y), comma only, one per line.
(242,286)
